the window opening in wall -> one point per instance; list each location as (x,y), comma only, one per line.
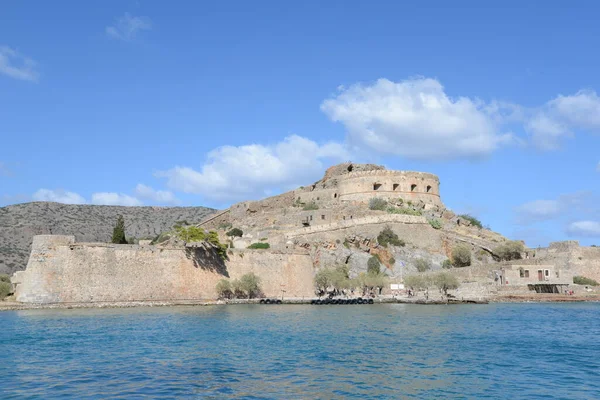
(344,217)
(413,187)
(557,275)
(350,168)
(335,195)
(376,186)
(322,216)
(546,272)
(318,198)
(540,275)
(395,186)
(311,217)
(526,273)
(351,217)
(428,189)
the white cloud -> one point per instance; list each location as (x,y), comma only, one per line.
(127,27)
(58,196)
(251,171)
(565,205)
(416,119)
(114,199)
(17,66)
(159,196)
(584,228)
(538,210)
(558,118)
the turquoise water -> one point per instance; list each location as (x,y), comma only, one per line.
(304,352)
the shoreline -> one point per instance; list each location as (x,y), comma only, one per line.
(16,306)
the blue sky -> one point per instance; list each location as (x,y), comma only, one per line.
(210,103)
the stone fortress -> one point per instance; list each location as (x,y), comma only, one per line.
(325,224)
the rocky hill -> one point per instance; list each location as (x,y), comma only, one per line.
(89,223)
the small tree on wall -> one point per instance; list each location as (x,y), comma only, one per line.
(118,236)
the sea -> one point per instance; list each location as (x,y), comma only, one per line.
(380,351)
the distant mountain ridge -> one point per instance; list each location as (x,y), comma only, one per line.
(88,223)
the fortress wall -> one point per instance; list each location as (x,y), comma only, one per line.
(585,261)
(60,271)
(319,196)
(428,239)
(292,272)
(345,224)
(568,255)
(390,184)
(215,220)
(411,229)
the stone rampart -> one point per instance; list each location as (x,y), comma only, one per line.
(413,186)
(61,271)
(350,223)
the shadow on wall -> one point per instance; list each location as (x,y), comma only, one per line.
(207,260)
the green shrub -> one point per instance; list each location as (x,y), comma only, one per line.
(461,256)
(447,264)
(190,233)
(250,285)
(582,280)
(118,236)
(213,238)
(374,266)
(310,206)
(405,211)
(5,289)
(259,245)
(510,250)
(387,236)
(474,221)
(224,225)
(435,223)
(392,260)
(422,264)
(224,289)
(377,204)
(235,232)
(4,278)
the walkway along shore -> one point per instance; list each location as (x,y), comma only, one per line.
(15,306)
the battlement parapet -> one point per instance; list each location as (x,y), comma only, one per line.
(386,172)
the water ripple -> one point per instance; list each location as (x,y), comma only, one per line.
(304,352)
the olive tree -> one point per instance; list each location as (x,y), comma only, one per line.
(445,281)
(224,289)
(250,285)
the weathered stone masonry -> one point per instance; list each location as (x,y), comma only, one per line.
(60,270)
